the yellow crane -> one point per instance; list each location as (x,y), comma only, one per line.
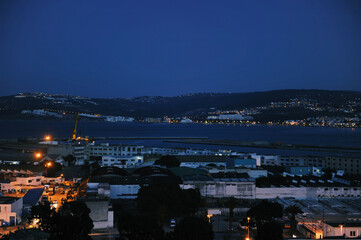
(73,134)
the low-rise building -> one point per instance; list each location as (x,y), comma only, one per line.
(121,161)
(30,181)
(124,183)
(195,161)
(303,170)
(100,212)
(240,162)
(32,198)
(223,188)
(10,210)
(340,229)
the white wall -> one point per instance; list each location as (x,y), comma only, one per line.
(329,231)
(129,161)
(282,192)
(201,164)
(219,189)
(31,181)
(12,210)
(338,192)
(105,224)
(124,191)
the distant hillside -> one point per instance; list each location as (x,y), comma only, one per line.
(178,106)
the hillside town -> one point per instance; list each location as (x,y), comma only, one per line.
(305,111)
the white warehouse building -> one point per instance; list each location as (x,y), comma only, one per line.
(121,161)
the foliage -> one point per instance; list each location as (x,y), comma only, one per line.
(266,211)
(293,210)
(55,167)
(327,174)
(231,203)
(276,179)
(70,159)
(168,161)
(191,201)
(139,227)
(168,200)
(44,213)
(269,231)
(72,221)
(193,228)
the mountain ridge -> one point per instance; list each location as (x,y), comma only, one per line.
(177,106)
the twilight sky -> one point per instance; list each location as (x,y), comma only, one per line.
(134,48)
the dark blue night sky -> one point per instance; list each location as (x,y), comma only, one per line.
(134,48)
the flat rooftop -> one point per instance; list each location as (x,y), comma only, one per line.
(8,200)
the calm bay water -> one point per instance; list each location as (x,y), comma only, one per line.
(297,135)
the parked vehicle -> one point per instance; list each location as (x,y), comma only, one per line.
(172,223)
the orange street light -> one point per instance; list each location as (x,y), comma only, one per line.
(47,165)
(248,218)
(47,138)
(38,155)
(209,217)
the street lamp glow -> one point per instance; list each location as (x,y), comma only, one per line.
(247,238)
(47,165)
(47,137)
(209,217)
(341,226)
(38,155)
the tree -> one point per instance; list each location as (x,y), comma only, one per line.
(168,200)
(293,210)
(72,222)
(231,203)
(53,169)
(70,159)
(191,201)
(139,227)
(168,161)
(44,213)
(265,212)
(160,199)
(193,228)
(269,231)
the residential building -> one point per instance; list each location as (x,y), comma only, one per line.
(339,229)
(30,181)
(351,165)
(32,198)
(10,210)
